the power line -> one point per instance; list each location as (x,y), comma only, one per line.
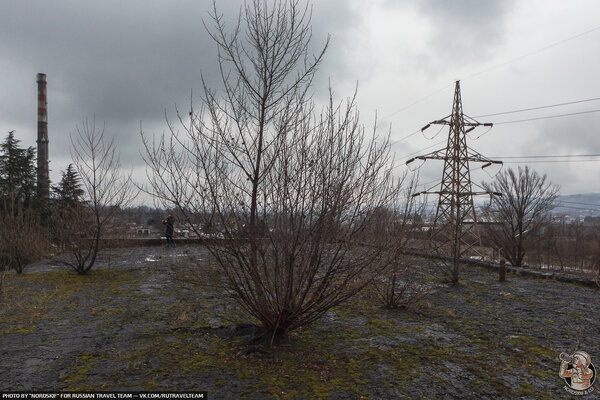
(547,161)
(405,137)
(427,184)
(523,120)
(492,68)
(414,103)
(414,133)
(538,108)
(546,117)
(416,152)
(426,148)
(552,156)
(560,204)
(523,159)
(533,52)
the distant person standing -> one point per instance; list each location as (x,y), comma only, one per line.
(169,221)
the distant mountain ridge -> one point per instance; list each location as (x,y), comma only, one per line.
(581,205)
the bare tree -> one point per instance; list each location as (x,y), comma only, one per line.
(291,189)
(78,229)
(522,210)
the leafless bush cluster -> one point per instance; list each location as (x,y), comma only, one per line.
(22,239)
(400,285)
(73,236)
(566,246)
(2,292)
(78,228)
(595,267)
(293,189)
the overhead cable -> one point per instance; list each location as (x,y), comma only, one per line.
(538,108)
(546,117)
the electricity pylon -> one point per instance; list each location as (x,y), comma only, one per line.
(453,234)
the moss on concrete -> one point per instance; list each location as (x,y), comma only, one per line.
(170,336)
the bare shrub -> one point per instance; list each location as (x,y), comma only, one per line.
(400,285)
(2,294)
(567,246)
(78,228)
(22,239)
(595,274)
(290,190)
(73,236)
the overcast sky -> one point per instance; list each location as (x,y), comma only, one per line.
(130,61)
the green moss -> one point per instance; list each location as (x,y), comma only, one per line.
(526,389)
(21,329)
(362,343)
(80,371)
(382,326)
(150,385)
(42,296)
(531,346)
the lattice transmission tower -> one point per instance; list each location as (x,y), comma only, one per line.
(455,233)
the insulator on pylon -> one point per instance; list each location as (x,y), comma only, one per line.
(486,165)
(470,129)
(425,127)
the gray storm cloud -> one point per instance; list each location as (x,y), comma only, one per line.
(123,62)
(128,62)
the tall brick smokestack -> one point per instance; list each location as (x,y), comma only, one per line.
(43,170)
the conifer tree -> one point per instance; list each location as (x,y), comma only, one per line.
(68,192)
(22,237)
(17,171)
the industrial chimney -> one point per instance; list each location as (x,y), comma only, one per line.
(43,171)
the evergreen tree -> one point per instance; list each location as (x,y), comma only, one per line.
(22,233)
(68,192)
(17,171)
